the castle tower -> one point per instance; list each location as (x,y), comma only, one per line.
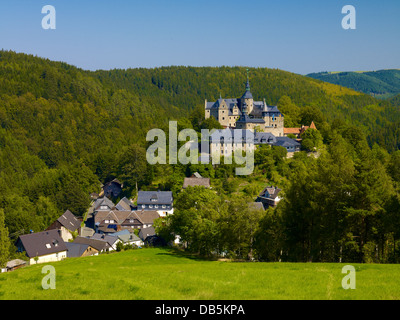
(247,97)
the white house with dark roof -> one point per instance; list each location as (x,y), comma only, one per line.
(42,247)
(160,201)
(127,237)
(269,197)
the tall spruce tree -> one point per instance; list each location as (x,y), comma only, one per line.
(4,241)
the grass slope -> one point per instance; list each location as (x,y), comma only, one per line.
(165,274)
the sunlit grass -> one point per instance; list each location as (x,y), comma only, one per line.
(160,274)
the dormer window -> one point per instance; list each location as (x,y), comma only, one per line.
(48,246)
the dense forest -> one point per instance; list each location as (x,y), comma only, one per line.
(64,131)
(381,84)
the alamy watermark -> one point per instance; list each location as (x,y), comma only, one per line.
(49,280)
(349,281)
(234,145)
(49,20)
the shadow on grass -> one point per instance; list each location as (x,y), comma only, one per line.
(179,253)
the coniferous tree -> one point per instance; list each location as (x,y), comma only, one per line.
(4,241)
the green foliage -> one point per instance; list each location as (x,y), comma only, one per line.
(382,83)
(311,140)
(4,241)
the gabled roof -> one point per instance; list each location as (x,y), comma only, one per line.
(204,182)
(76,249)
(115,181)
(124,204)
(69,221)
(95,243)
(286,142)
(270,192)
(110,240)
(42,243)
(117,216)
(147,216)
(154,197)
(146,232)
(103,201)
(291,131)
(15,263)
(125,236)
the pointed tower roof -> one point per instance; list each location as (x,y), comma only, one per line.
(247,94)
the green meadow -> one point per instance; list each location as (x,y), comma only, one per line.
(165,274)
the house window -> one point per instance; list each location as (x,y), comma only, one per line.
(48,246)
(150,206)
(107,221)
(143,206)
(163,206)
(156,206)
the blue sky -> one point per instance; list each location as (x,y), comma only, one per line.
(298,36)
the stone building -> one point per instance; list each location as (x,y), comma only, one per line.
(245,113)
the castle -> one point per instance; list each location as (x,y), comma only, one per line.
(245,113)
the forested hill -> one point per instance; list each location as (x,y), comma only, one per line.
(64,130)
(380,84)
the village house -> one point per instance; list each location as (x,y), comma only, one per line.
(41,247)
(112,241)
(289,144)
(298,131)
(103,203)
(99,245)
(127,237)
(125,205)
(66,223)
(149,237)
(115,220)
(196,180)
(76,250)
(269,197)
(13,265)
(112,189)
(160,201)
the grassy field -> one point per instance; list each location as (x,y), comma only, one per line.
(166,274)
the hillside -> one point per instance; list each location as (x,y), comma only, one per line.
(64,130)
(380,84)
(395,100)
(160,274)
